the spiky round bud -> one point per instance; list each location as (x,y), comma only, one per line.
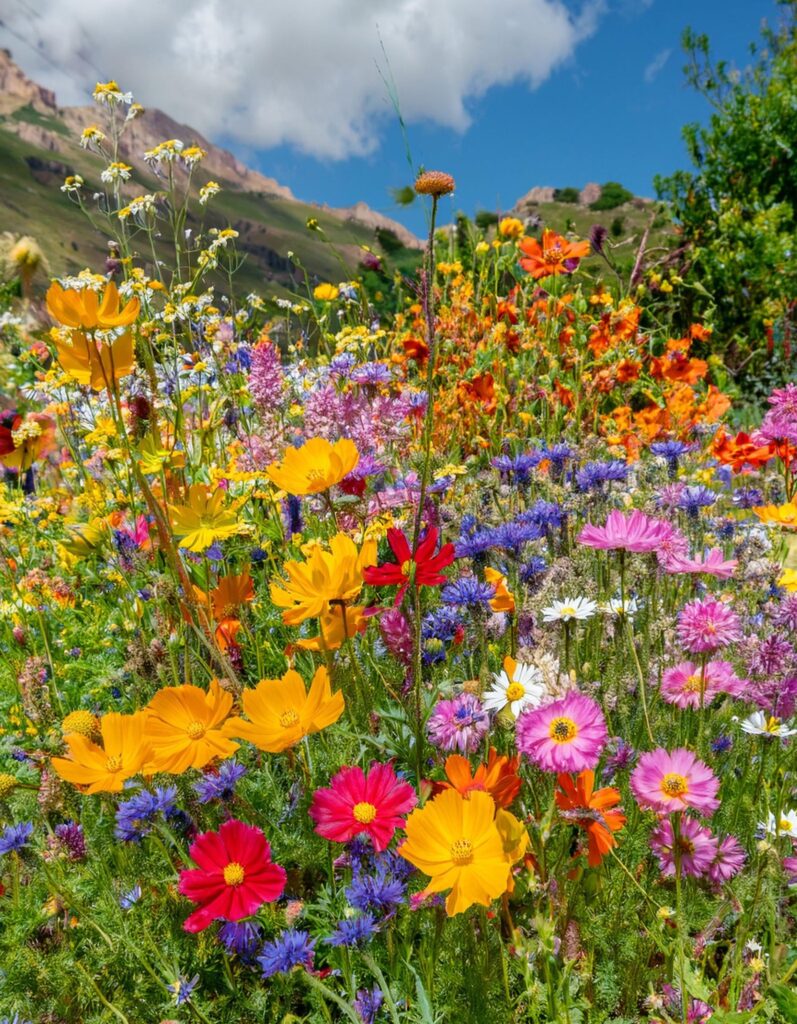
(434,183)
(7,785)
(82,722)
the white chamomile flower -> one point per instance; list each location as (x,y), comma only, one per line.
(570,609)
(784,825)
(615,606)
(761,724)
(519,686)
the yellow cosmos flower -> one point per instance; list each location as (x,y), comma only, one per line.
(326,577)
(336,625)
(281,712)
(315,467)
(184,727)
(83,308)
(325,292)
(779,515)
(203,520)
(788,580)
(96,364)
(456,842)
(104,769)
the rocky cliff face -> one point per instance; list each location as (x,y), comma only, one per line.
(17,90)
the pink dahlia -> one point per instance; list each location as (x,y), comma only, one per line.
(695,845)
(706,625)
(728,860)
(567,735)
(713,563)
(357,804)
(634,532)
(672,781)
(682,685)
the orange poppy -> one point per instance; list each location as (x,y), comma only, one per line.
(555,256)
(740,451)
(592,810)
(498,777)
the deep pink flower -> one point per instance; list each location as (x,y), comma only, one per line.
(728,861)
(697,847)
(357,804)
(706,625)
(672,781)
(567,735)
(713,563)
(458,724)
(235,875)
(682,684)
(790,869)
(634,532)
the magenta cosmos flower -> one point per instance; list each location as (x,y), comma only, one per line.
(458,724)
(357,804)
(682,685)
(695,845)
(706,625)
(728,860)
(668,782)
(567,735)
(634,532)
(713,563)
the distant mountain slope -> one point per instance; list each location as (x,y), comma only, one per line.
(39,147)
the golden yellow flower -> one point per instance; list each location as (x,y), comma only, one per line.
(325,292)
(203,520)
(104,769)
(81,722)
(315,467)
(281,712)
(95,364)
(779,515)
(83,308)
(788,580)
(510,227)
(184,727)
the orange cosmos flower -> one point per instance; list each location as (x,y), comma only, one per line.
(231,592)
(592,811)
(779,515)
(281,712)
(96,364)
(740,451)
(315,467)
(104,769)
(184,727)
(498,777)
(338,624)
(503,600)
(555,256)
(83,308)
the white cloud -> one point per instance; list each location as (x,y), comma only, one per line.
(656,66)
(302,72)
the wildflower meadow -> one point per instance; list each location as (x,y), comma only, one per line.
(410,658)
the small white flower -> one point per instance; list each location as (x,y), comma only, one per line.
(615,606)
(785,825)
(760,724)
(572,608)
(519,686)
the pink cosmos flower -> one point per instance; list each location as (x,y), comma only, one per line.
(357,804)
(682,685)
(713,563)
(696,846)
(567,735)
(668,782)
(634,532)
(728,861)
(706,625)
(458,724)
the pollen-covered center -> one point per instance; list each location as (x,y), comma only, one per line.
(462,851)
(114,763)
(692,684)
(515,691)
(784,825)
(685,846)
(195,730)
(563,730)
(553,255)
(364,812)
(408,567)
(234,873)
(673,785)
(289,718)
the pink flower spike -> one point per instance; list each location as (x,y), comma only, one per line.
(673,781)
(634,532)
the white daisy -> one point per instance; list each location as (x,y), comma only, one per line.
(760,724)
(570,609)
(615,606)
(785,825)
(519,686)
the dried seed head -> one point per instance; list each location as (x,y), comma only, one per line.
(434,183)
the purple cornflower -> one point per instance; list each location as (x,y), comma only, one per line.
(135,817)
(266,382)
(181,988)
(342,365)
(517,468)
(594,475)
(621,756)
(241,937)
(292,949)
(382,891)
(458,724)
(221,784)
(786,614)
(694,498)
(130,898)
(546,514)
(532,569)
(354,931)
(292,518)
(368,1003)
(514,535)
(70,840)
(372,374)
(671,452)
(467,592)
(438,629)
(707,625)
(14,837)
(721,744)
(748,497)
(771,656)
(557,455)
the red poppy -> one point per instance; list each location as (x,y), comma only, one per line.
(235,875)
(555,256)
(592,811)
(360,804)
(421,569)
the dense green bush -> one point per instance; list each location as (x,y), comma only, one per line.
(613,194)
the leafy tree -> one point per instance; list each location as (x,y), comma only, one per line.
(485,219)
(613,194)
(567,195)
(737,208)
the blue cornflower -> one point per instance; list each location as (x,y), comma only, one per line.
(221,785)
(380,892)
(257,555)
(372,374)
(354,931)
(557,455)
(514,535)
(694,498)
(594,475)
(130,898)
(517,468)
(14,837)
(342,365)
(241,937)
(135,817)
(16,1019)
(467,592)
(368,1003)
(671,452)
(291,949)
(546,514)
(181,988)
(721,744)
(438,629)
(474,544)
(535,567)
(292,515)
(748,497)
(214,552)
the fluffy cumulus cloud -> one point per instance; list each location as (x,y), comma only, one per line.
(309,73)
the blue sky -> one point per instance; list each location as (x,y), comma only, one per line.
(613,111)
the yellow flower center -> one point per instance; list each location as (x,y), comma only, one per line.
(407,567)
(195,730)
(316,476)
(554,255)
(515,691)
(462,851)
(288,719)
(364,812)
(113,764)
(674,784)
(233,873)
(692,685)
(773,725)
(784,825)
(567,611)
(563,730)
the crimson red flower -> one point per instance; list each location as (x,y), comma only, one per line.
(356,804)
(421,569)
(235,875)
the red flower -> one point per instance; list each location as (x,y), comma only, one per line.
(357,803)
(235,875)
(593,811)
(421,569)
